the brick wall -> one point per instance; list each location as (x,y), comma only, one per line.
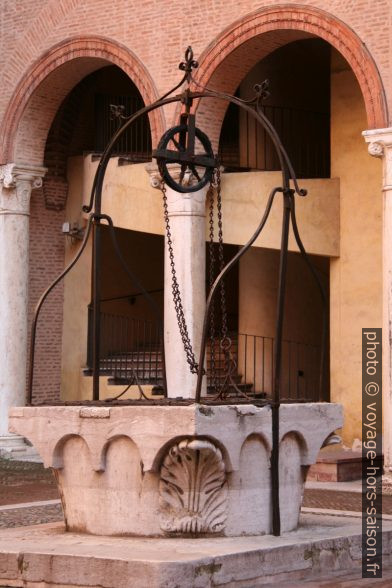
(155,32)
(46,262)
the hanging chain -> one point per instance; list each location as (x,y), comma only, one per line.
(213,379)
(179,309)
(190,356)
(221,254)
(225,342)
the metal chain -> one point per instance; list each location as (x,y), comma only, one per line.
(179,309)
(221,254)
(190,356)
(225,343)
(213,379)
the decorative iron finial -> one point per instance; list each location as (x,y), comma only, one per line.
(262,90)
(189,64)
(117,111)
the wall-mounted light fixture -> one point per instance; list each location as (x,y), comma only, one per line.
(73,230)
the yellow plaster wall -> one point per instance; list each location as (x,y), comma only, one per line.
(356,276)
(133,204)
(77,291)
(245,197)
(259,278)
(127,196)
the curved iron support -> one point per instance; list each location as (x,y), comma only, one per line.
(275,404)
(140,286)
(88,207)
(41,302)
(230,369)
(257,113)
(219,278)
(286,167)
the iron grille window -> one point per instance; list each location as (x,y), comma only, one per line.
(135,143)
(245,145)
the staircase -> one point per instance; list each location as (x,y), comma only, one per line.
(146,364)
(220,374)
(122,368)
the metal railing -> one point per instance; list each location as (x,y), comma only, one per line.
(135,143)
(130,349)
(300,368)
(304,134)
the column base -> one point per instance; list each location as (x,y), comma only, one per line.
(15,447)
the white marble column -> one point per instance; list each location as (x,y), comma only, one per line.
(380,145)
(187,217)
(16,183)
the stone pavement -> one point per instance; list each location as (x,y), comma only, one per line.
(33,491)
(34,515)
(337,500)
(25,482)
(46,554)
(342,580)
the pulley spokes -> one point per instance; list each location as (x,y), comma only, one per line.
(178,146)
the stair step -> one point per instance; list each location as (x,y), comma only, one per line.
(124,381)
(247,388)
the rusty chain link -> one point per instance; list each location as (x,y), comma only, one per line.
(190,356)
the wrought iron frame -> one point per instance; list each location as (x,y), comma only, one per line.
(97,218)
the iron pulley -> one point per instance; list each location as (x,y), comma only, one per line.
(190,148)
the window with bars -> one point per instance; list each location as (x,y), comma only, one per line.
(135,144)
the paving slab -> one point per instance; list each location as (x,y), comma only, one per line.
(25,482)
(46,556)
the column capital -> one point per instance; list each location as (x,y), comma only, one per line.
(154,175)
(16,183)
(179,203)
(380,145)
(175,170)
(379,141)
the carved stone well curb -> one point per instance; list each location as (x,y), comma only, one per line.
(176,470)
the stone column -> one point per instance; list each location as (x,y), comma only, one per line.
(380,145)
(187,216)
(187,223)
(16,183)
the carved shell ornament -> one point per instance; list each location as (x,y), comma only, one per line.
(193,490)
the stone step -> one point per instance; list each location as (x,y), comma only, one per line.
(17,448)
(336,465)
(125,380)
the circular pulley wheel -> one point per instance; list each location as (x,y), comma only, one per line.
(199,163)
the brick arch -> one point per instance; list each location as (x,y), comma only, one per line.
(227,60)
(44,86)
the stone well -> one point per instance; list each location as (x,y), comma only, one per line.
(176,470)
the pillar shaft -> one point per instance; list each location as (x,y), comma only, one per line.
(187,224)
(380,145)
(16,184)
